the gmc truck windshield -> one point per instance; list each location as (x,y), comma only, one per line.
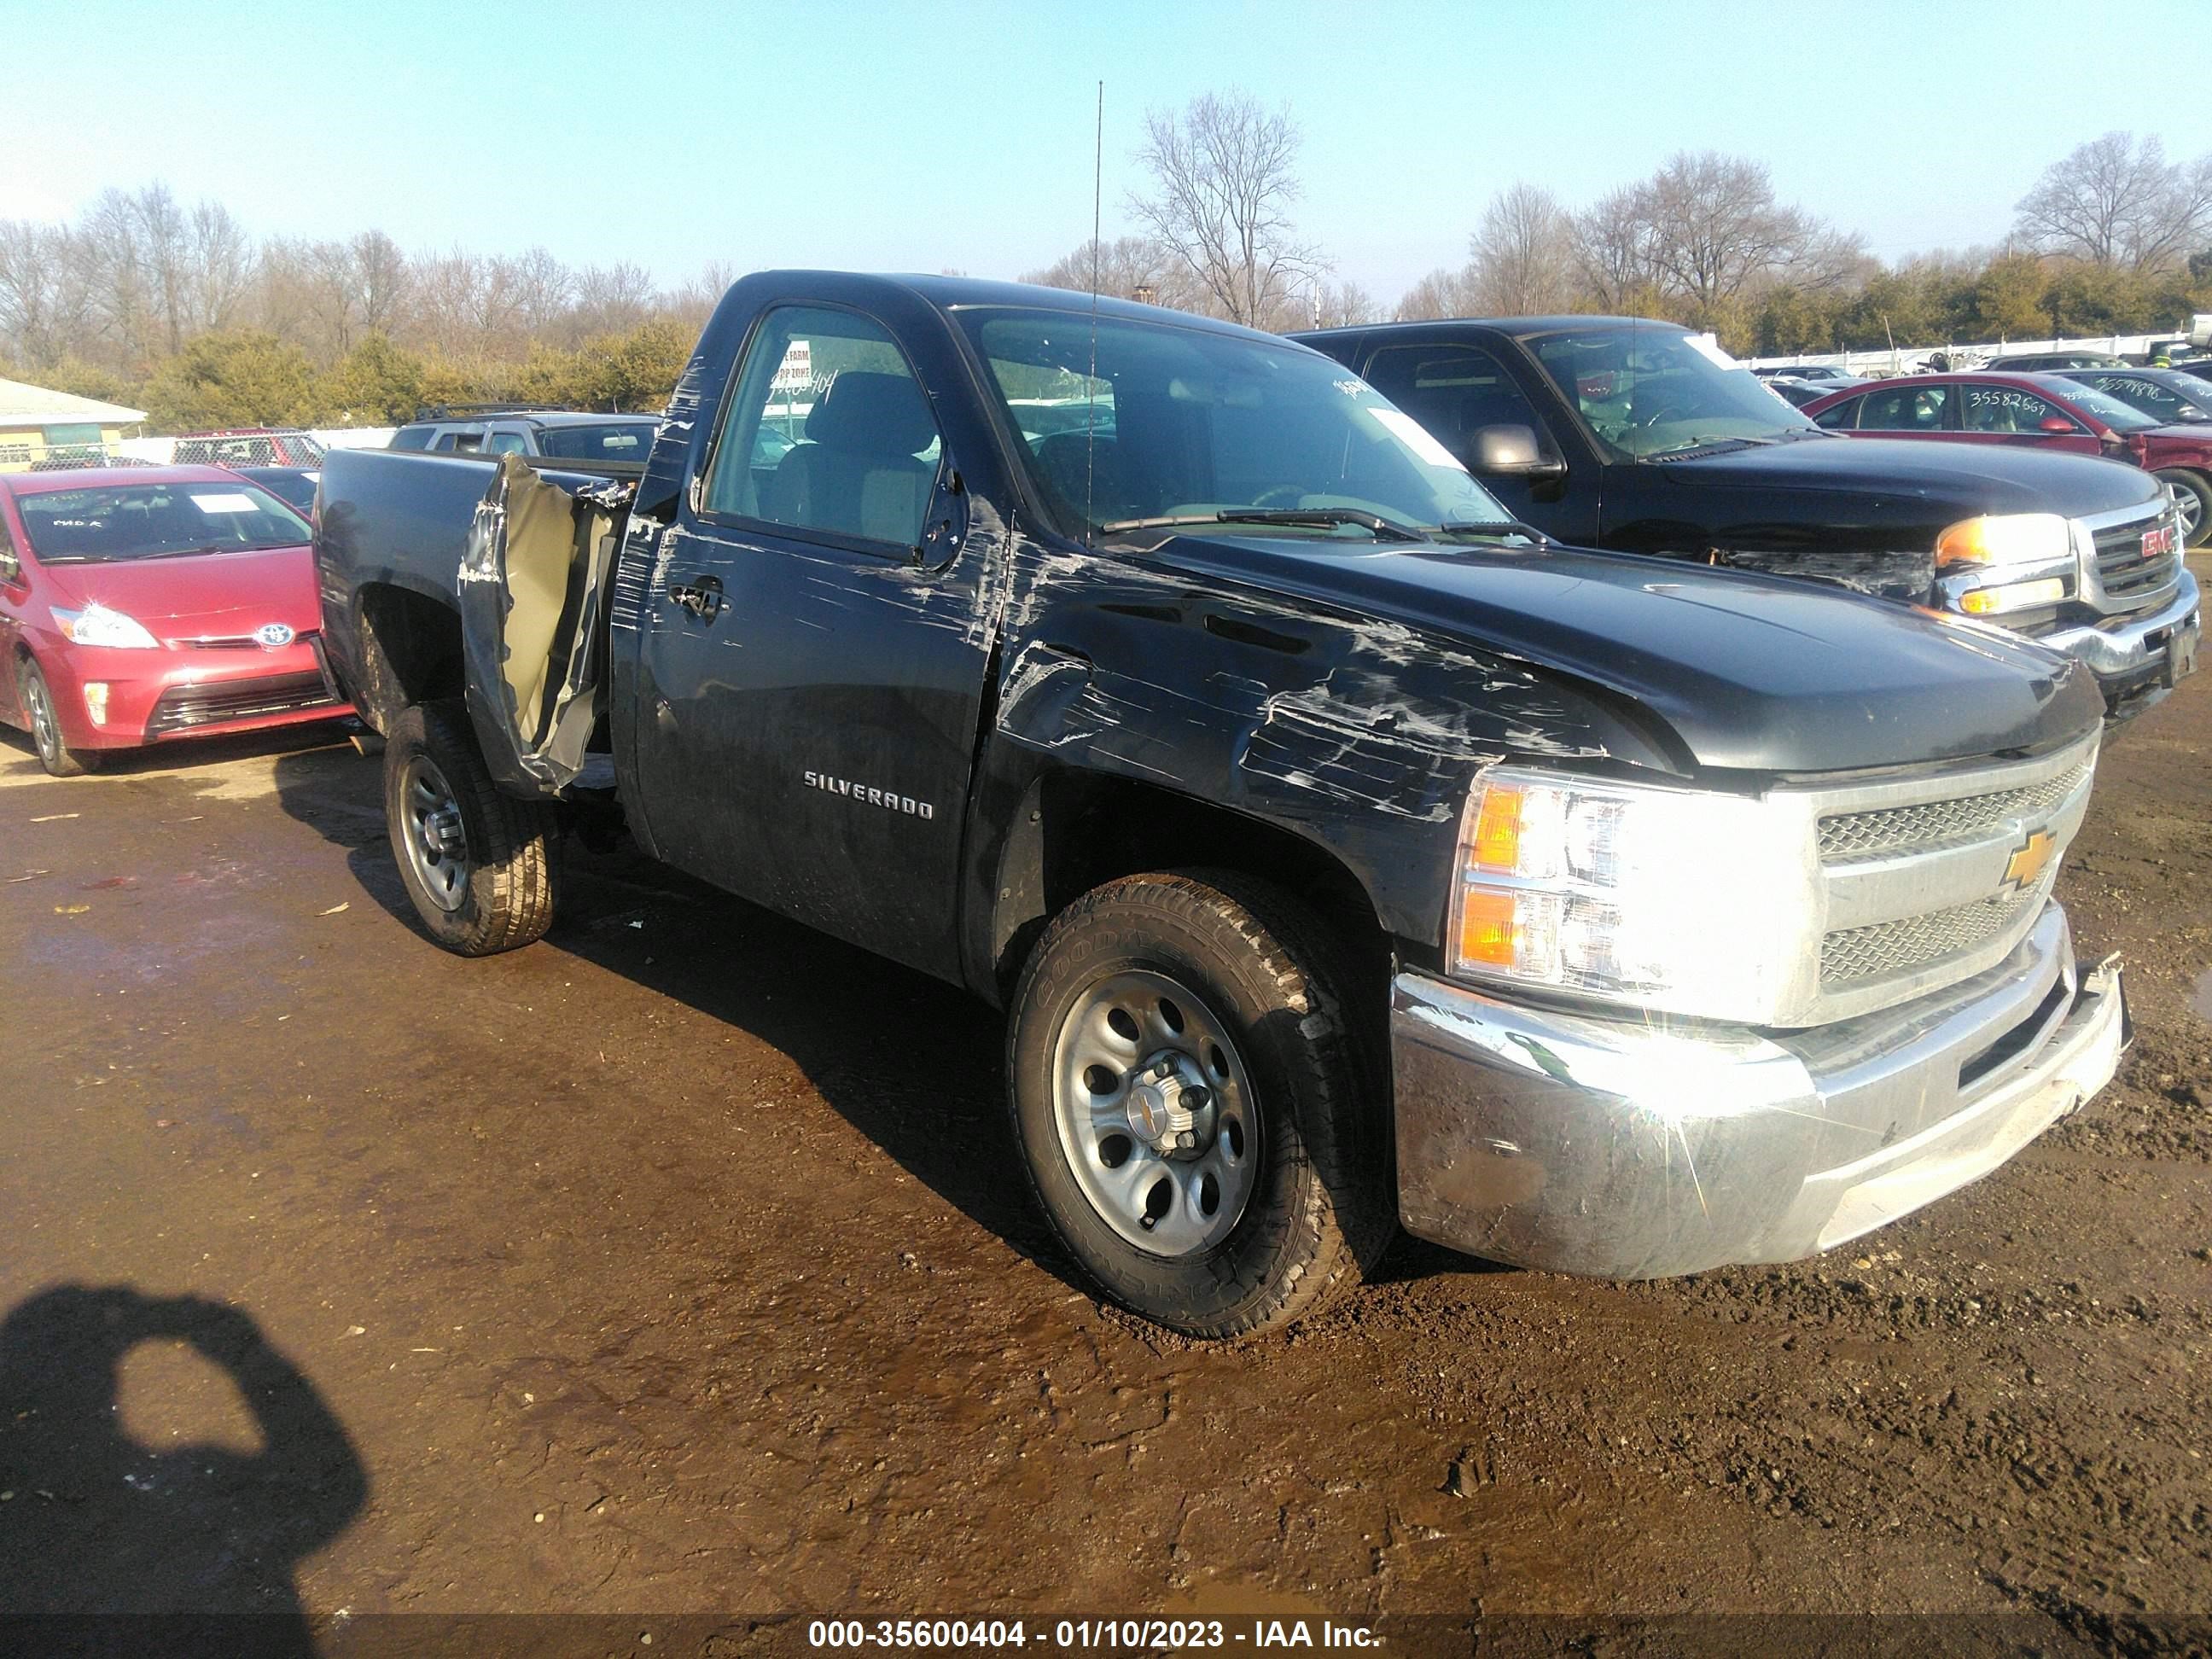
(1652,393)
(1159,426)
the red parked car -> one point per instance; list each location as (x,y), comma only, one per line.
(2036,411)
(140,605)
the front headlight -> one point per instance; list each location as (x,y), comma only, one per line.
(97,625)
(2006,538)
(1676,900)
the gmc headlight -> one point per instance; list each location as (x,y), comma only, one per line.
(2007,539)
(97,625)
(1680,901)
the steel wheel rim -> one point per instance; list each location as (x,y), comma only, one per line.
(432,832)
(1120,1033)
(45,729)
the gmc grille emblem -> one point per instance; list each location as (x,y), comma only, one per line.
(2158,541)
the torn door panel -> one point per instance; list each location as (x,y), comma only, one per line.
(533,581)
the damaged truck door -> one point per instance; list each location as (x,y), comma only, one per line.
(1343,852)
(812,659)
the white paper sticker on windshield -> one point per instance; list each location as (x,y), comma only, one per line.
(230,503)
(1707,346)
(1415,436)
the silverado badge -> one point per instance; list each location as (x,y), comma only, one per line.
(2028,859)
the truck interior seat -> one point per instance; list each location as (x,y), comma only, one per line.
(860,473)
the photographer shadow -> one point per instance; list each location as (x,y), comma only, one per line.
(204,1537)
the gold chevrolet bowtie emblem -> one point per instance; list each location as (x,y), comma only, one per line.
(2028,859)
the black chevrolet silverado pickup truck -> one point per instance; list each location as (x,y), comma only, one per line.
(1342,852)
(1622,433)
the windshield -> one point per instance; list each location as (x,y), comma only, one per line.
(112,522)
(1157,423)
(1648,393)
(625,441)
(293,486)
(2103,406)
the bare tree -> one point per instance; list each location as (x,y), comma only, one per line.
(1612,240)
(2116,201)
(218,271)
(1128,268)
(1442,293)
(46,293)
(1224,175)
(381,281)
(610,299)
(1523,257)
(1338,305)
(1716,229)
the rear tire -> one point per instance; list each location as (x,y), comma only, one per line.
(37,700)
(2192,491)
(1228,991)
(481,866)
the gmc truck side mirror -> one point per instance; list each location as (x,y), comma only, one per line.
(1511,451)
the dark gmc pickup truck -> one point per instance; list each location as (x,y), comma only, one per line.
(1618,432)
(1342,853)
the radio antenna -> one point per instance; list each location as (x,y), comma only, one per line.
(1091,384)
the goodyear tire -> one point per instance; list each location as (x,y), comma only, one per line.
(481,866)
(1195,1107)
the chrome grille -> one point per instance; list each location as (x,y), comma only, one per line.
(237,642)
(2122,570)
(1891,948)
(1926,879)
(1850,837)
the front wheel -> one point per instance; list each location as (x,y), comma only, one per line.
(2193,494)
(1192,1097)
(54,753)
(481,866)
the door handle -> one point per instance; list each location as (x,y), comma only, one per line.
(702,598)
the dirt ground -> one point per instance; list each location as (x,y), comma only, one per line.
(677,1264)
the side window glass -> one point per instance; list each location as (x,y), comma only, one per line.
(828,430)
(1840,418)
(411,437)
(459,439)
(1904,409)
(507,443)
(1453,391)
(2003,408)
(2149,396)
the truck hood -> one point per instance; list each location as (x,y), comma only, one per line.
(1752,672)
(204,595)
(1962,478)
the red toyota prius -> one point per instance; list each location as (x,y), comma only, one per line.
(140,605)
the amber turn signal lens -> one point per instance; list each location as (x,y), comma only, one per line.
(1497,828)
(1485,929)
(2015,596)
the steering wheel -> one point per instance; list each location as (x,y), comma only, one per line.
(1660,416)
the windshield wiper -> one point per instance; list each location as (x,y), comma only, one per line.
(1319,517)
(1491,527)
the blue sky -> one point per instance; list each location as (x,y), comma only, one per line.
(923,136)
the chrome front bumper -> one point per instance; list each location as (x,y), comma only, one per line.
(2139,644)
(1628,1148)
